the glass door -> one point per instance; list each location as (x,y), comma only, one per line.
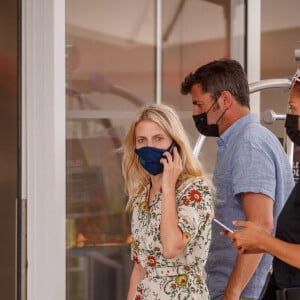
(110,73)
(112,50)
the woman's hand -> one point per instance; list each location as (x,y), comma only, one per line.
(173,240)
(172,168)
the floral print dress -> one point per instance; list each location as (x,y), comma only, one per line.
(180,277)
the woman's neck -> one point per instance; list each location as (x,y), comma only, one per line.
(155,183)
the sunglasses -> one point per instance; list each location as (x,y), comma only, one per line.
(296,77)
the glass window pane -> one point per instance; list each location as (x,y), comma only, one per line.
(110,56)
(110,73)
(279,39)
(188,44)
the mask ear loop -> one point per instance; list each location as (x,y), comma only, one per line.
(221,116)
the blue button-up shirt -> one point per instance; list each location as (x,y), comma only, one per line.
(249,159)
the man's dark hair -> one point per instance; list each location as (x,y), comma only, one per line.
(218,76)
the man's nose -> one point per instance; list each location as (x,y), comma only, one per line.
(196,111)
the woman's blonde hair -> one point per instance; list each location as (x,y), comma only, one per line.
(135,177)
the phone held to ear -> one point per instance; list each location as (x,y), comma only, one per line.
(172,147)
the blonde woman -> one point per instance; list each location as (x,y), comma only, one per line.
(171,206)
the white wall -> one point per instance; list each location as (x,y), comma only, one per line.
(43,130)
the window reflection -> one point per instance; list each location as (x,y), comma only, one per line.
(108,77)
(110,57)
(110,60)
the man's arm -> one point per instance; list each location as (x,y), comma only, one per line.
(258,208)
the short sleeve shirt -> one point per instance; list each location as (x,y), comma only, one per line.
(249,159)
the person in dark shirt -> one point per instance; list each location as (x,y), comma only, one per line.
(284,282)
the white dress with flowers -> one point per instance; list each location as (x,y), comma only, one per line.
(181,277)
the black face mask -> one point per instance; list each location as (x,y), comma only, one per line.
(204,128)
(291,125)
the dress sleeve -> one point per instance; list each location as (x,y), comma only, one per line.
(195,209)
(134,252)
(135,234)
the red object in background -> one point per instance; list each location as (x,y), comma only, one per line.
(8,73)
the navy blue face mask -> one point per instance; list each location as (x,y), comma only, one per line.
(150,159)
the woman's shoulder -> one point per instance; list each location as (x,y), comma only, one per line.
(200,183)
(139,195)
(196,193)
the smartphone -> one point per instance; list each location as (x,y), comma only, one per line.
(172,147)
(223,225)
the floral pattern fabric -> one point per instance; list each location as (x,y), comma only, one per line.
(180,277)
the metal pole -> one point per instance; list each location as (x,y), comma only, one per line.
(159,35)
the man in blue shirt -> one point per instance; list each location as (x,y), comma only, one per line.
(252,177)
